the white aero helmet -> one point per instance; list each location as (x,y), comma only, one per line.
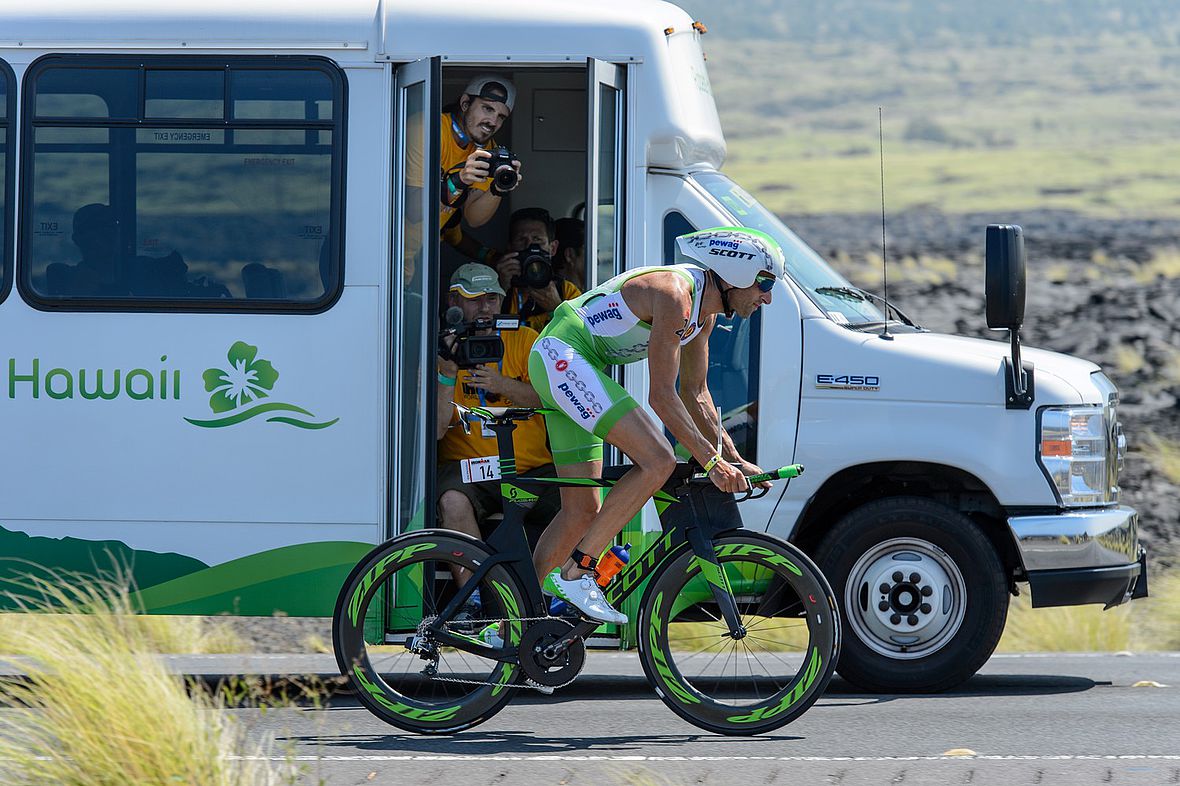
(736,254)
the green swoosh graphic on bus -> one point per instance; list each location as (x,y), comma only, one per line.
(270,406)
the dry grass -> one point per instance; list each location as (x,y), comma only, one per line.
(1147,624)
(1163,454)
(1128,359)
(100,709)
(1164,263)
(167,634)
(779,634)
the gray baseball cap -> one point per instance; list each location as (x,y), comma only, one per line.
(474,280)
(492,87)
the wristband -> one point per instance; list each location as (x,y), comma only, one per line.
(712,463)
(445,380)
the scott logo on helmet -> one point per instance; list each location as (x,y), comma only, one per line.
(728,252)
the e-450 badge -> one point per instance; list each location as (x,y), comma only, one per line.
(847,382)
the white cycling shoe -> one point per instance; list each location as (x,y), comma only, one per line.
(584,593)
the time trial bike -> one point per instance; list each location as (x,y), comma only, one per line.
(737,630)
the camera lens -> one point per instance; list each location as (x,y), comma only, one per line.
(506,178)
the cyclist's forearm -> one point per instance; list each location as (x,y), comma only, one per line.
(670,409)
(704,414)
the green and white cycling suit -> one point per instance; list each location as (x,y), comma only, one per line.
(588,334)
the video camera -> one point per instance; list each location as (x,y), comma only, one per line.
(471,350)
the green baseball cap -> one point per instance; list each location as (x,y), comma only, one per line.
(474,280)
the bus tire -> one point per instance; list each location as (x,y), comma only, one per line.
(922,594)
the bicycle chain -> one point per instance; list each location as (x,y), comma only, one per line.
(528,683)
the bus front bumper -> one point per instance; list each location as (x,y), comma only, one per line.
(1083,556)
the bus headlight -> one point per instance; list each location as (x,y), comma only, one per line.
(1073,448)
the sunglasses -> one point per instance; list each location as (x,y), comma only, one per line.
(764,283)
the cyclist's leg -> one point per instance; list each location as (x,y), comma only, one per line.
(578,508)
(638,436)
(592,407)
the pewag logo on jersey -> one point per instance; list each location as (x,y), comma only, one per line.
(607,312)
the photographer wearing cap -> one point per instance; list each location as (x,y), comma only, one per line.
(476,291)
(476,172)
(527,270)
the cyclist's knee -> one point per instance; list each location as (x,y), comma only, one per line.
(660,460)
(580,504)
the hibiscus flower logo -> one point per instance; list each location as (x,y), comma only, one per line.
(244,391)
(248,378)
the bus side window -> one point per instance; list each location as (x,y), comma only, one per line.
(220,189)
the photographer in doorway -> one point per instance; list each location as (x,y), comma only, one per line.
(503,381)
(527,271)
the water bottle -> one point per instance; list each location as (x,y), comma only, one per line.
(612,562)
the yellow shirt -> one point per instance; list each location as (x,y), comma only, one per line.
(453,156)
(569,291)
(529,438)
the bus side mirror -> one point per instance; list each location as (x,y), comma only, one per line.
(1004,277)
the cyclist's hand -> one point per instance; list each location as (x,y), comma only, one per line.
(728,478)
(749,468)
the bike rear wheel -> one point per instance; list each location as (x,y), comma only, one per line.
(746,685)
(404,678)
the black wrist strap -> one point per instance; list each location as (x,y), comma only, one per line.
(584,560)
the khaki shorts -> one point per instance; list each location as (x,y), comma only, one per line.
(485,497)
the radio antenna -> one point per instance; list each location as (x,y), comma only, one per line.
(884,262)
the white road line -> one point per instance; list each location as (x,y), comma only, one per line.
(559,757)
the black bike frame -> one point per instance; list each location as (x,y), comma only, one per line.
(510,548)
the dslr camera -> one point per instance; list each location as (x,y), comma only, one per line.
(500,168)
(469,349)
(536,268)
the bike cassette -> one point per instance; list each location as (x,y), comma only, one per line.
(549,655)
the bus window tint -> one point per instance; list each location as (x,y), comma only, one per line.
(184,94)
(184,203)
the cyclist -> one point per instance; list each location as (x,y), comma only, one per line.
(664,314)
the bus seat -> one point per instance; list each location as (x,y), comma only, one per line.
(261,281)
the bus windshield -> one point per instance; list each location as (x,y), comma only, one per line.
(842,302)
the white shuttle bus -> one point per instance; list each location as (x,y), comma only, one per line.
(249,417)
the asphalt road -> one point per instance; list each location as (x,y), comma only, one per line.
(1027,719)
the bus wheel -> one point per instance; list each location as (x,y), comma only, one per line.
(922,593)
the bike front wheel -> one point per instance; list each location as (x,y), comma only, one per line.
(382,644)
(745,684)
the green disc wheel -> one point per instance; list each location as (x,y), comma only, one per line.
(759,681)
(401,675)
